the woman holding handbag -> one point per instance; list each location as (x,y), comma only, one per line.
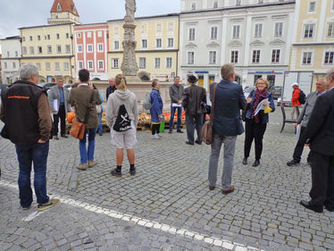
(257,118)
(85,99)
(99,109)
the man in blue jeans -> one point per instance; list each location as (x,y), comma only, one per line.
(25,112)
(176,95)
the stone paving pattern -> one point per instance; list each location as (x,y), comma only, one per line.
(170,187)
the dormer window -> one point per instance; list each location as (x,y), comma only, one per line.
(193,6)
(59,9)
(238,2)
(215,4)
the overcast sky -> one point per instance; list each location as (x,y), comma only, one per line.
(20,13)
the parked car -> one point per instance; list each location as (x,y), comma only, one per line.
(47,86)
(276,91)
(248,90)
(68,86)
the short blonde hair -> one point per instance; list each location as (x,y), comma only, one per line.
(264,80)
(227,70)
(120,82)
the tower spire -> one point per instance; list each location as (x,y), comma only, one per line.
(63,11)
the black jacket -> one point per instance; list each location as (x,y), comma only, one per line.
(320,128)
(194,100)
(109,91)
(20,103)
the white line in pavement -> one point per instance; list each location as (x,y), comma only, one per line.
(144,222)
(32,216)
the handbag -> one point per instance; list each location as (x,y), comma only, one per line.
(206,132)
(78,128)
(98,109)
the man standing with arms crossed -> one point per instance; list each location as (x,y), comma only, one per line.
(176,94)
(25,112)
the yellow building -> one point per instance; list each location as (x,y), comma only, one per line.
(157,48)
(51,47)
(313,46)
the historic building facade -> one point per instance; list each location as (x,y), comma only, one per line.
(157,46)
(253,35)
(313,43)
(11,54)
(51,47)
(91,49)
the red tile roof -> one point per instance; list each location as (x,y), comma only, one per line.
(66,6)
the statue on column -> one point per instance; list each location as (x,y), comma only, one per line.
(130,8)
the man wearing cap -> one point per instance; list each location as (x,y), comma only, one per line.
(295,100)
(194,103)
(303,119)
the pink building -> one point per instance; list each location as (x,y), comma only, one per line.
(91,49)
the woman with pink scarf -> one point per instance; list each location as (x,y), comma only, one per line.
(257,119)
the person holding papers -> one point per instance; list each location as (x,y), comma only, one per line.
(259,103)
(58,96)
(176,94)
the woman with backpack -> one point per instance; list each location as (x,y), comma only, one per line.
(122,118)
(257,119)
(156,109)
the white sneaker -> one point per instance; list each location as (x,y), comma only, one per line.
(159,136)
(155,136)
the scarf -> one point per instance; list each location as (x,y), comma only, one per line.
(258,97)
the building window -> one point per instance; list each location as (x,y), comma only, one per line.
(157,63)
(158,27)
(170,27)
(215,4)
(80,48)
(67,35)
(57,36)
(47,66)
(68,48)
(275,56)
(5,65)
(48,36)
(234,57)
(59,9)
(191,34)
(89,34)
(89,48)
(278,29)
(170,42)
(32,52)
(38,37)
(191,57)
(58,48)
(7,54)
(256,56)
(30,38)
(329,57)
(238,2)
(101,65)
(311,7)
(16,54)
(40,50)
(258,30)
(332,5)
(308,30)
(114,62)
(143,29)
(100,47)
(49,49)
(193,6)
(116,45)
(158,42)
(23,39)
(236,31)
(99,34)
(260,1)
(144,43)
(79,35)
(116,30)
(57,66)
(169,63)
(142,63)
(212,57)
(90,65)
(66,66)
(80,65)
(14,66)
(24,50)
(214,31)
(330,29)
(307,58)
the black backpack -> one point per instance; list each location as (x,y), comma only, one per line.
(123,121)
(302,97)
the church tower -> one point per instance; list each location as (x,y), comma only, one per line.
(63,11)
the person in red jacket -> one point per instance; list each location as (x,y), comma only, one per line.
(295,100)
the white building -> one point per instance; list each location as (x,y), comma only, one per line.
(10,61)
(255,35)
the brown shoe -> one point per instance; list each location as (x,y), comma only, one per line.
(230,190)
(82,166)
(91,163)
(212,187)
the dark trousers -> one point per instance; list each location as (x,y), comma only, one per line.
(62,115)
(300,146)
(254,131)
(155,128)
(26,155)
(192,122)
(171,120)
(322,192)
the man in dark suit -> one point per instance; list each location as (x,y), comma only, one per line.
(320,137)
(111,88)
(228,99)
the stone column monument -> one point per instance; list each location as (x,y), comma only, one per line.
(129,65)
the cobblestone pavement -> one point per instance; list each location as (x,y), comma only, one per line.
(167,205)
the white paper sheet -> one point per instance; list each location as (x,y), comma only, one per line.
(298,131)
(55,104)
(176,105)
